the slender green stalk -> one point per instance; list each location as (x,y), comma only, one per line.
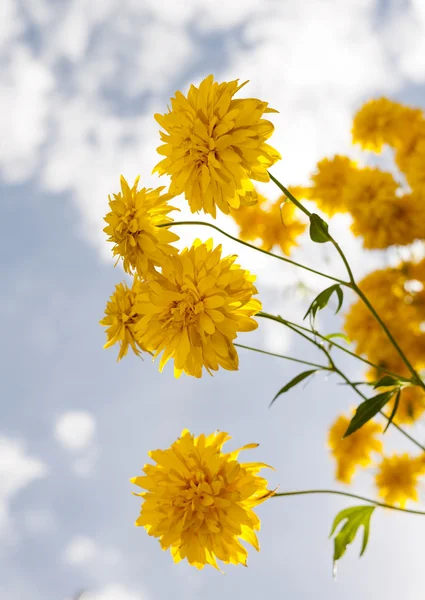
(283,321)
(248,245)
(348,495)
(353,285)
(297,360)
(334,368)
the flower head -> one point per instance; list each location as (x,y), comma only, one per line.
(397,478)
(132,227)
(276,224)
(411,405)
(354,450)
(121,317)
(193,311)
(383,121)
(329,182)
(199,500)
(215,145)
(399,304)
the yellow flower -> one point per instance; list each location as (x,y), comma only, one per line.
(388,221)
(354,450)
(281,226)
(397,478)
(132,227)
(383,121)
(199,500)
(250,220)
(401,307)
(276,225)
(329,182)
(194,309)
(411,405)
(121,317)
(214,146)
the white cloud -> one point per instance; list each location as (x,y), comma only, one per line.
(114,592)
(80,550)
(39,521)
(75,430)
(17,470)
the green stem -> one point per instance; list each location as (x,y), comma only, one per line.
(348,495)
(333,367)
(353,285)
(248,245)
(283,321)
(417,379)
(298,360)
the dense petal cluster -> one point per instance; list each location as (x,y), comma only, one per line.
(329,182)
(121,318)
(383,121)
(276,224)
(381,215)
(399,299)
(193,311)
(354,450)
(215,146)
(133,228)
(199,500)
(411,405)
(397,478)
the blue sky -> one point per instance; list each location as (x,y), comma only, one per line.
(80,82)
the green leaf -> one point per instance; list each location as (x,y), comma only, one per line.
(344,337)
(386,381)
(393,412)
(319,229)
(323,298)
(355,517)
(300,377)
(367,410)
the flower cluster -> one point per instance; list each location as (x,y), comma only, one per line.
(189,306)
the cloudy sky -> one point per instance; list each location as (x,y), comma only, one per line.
(80,81)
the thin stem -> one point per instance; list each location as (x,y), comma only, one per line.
(334,368)
(298,360)
(353,285)
(248,245)
(290,196)
(381,412)
(417,379)
(348,495)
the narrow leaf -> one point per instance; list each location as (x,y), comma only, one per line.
(386,381)
(355,517)
(323,298)
(344,337)
(300,377)
(367,410)
(392,415)
(319,229)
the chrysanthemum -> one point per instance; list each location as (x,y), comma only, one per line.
(411,405)
(401,308)
(383,121)
(121,317)
(195,308)
(391,220)
(354,450)
(397,478)
(275,225)
(132,227)
(199,500)
(215,145)
(329,182)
